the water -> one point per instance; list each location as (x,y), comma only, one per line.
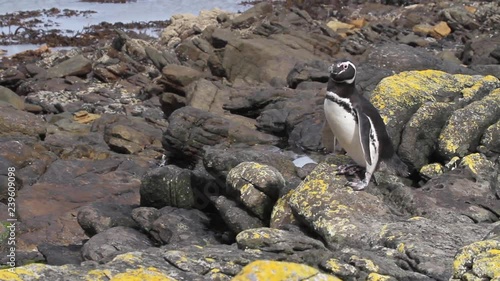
(136,11)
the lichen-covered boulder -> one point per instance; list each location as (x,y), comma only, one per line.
(256,185)
(399,96)
(281,271)
(463,131)
(479,260)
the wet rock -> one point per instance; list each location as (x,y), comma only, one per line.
(190,129)
(277,270)
(98,217)
(236,218)
(257,186)
(181,227)
(477,260)
(402,94)
(114,241)
(9,97)
(74,66)
(167,186)
(16,122)
(61,255)
(458,142)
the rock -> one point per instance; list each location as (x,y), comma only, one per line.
(98,217)
(123,139)
(48,208)
(171,102)
(220,37)
(477,260)
(167,186)
(61,255)
(236,218)
(9,97)
(252,15)
(490,138)
(177,77)
(480,50)
(402,94)
(276,240)
(74,66)
(422,132)
(257,186)
(190,129)
(432,170)
(404,58)
(145,216)
(84,117)
(160,59)
(441,30)
(339,26)
(322,188)
(481,168)
(316,70)
(462,133)
(459,18)
(16,122)
(269,62)
(114,241)
(280,271)
(181,227)
(208,96)
(219,160)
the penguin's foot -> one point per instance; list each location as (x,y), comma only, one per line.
(358,185)
(350,169)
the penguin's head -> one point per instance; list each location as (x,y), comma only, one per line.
(343,71)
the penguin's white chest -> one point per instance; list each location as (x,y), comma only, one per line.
(345,128)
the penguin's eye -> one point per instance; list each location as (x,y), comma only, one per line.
(345,66)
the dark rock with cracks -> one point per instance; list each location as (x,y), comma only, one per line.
(190,129)
(167,186)
(181,227)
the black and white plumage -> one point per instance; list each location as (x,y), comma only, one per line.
(357,125)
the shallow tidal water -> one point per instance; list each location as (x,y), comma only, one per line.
(134,11)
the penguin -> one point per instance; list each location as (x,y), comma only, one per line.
(358,126)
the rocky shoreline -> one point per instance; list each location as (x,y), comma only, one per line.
(202,156)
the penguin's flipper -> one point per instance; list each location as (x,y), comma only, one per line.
(364,135)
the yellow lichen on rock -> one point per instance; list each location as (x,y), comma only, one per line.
(282,213)
(379,277)
(281,271)
(142,274)
(98,275)
(23,272)
(466,125)
(477,163)
(479,258)
(339,268)
(365,264)
(432,170)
